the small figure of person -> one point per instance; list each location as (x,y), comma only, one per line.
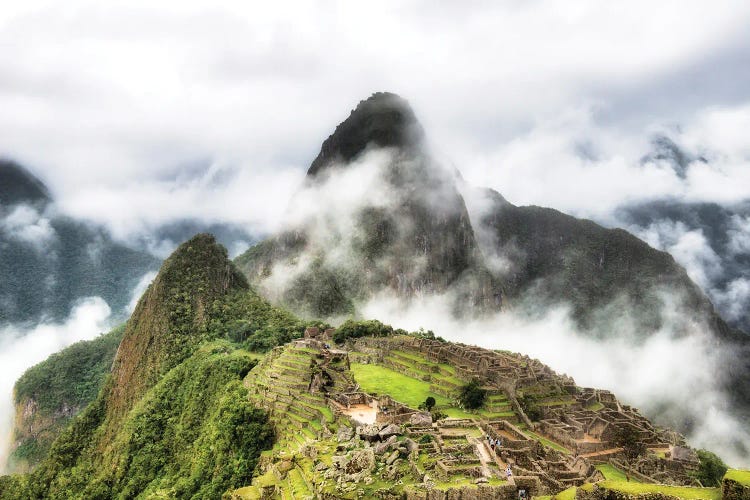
(508,472)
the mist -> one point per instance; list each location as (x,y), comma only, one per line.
(21,348)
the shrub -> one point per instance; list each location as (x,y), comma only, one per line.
(472,395)
(711,469)
(355,329)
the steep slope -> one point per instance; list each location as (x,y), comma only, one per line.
(18,185)
(48,261)
(171,319)
(407,230)
(49,394)
(172,417)
(707,234)
(605,276)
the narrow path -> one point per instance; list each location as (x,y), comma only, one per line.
(610,451)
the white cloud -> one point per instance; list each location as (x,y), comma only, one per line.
(124,96)
(20,349)
(25,224)
(690,248)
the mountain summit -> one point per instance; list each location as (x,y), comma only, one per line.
(389,220)
(382,120)
(402,225)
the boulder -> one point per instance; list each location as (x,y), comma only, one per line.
(383,446)
(389,430)
(423,419)
(369,432)
(344,434)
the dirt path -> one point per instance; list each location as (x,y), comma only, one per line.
(610,451)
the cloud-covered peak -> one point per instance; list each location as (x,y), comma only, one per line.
(383,120)
(18,185)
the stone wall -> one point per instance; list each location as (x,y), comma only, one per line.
(732,490)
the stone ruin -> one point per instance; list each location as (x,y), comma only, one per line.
(386,437)
(584,421)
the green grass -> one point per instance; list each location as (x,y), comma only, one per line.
(595,406)
(611,472)
(404,389)
(547,442)
(568,494)
(740,476)
(453,412)
(633,488)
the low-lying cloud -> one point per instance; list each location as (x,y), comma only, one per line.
(22,348)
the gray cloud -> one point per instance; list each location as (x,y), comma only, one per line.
(107,104)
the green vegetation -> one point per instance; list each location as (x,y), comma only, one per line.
(711,469)
(194,434)
(61,386)
(352,329)
(633,488)
(627,438)
(568,494)
(72,376)
(528,404)
(429,403)
(377,379)
(547,442)
(611,472)
(472,395)
(740,476)
(173,419)
(595,406)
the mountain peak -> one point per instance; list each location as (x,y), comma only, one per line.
(172,317)
(18,185)
(384,119)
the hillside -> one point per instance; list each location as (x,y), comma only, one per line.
(379,216)
(49,394)
(172,415)
(49,261)
(192,408)
(348,426)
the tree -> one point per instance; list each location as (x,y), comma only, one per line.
(711,469)
(628,438)
(472,395)
(429,403)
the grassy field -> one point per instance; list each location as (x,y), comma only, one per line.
(547,442)
(568,494)
(611,472)
(633,488)
(741,476)
(380,380)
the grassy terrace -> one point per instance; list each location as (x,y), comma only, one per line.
(547,442)
(376,379)
(740,476)
(568,494)
(611,472)
(595,406)
(633,488)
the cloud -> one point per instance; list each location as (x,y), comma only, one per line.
(139,290)
(21,349)
(125,98)
(690,248)
(26,225)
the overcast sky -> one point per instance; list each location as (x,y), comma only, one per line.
(146,112)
